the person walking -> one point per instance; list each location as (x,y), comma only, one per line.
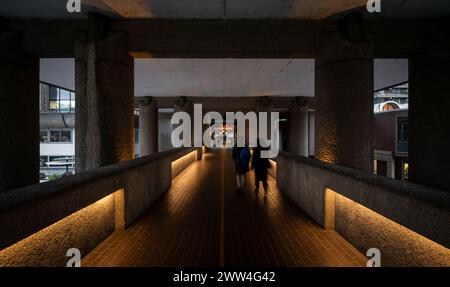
(261,166)
(241,157)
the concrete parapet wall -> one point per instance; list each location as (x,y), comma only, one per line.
(407,222)
(41,222)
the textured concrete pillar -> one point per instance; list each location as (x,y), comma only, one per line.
(19,116)
(104,78)
(298,130)
(148,128)
(429,120)
(344,112)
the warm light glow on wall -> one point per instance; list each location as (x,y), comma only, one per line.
(326,151)
(273,169)
(180,164)
(83,229)
(329,208)
(365,229)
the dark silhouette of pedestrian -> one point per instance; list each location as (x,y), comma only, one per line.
(261,166)
(241,157)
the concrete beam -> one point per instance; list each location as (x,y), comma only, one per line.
(219,39)
(226,105)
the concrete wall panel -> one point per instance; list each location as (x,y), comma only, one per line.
(371,211)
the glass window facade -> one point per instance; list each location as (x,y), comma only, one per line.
(59,100)
(55,136)
(44,138)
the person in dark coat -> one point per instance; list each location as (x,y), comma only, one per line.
(261,167)
(241,158)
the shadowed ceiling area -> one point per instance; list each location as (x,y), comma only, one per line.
(183,9)
(220,9)
(234,9)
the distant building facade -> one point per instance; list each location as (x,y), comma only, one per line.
(390,132)
(57,130)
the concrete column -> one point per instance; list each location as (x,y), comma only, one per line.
(19,116)
(344,112)
(429,100)
(148,128)
(298,130)
(104,79)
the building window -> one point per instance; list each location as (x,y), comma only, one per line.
(44,136)
(59,100)
(56,136)
(405,171)
(66,136)
(389,107)
(402,134)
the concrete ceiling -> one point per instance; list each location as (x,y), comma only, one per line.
(221,9)
(224,77)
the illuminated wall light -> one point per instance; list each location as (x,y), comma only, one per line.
(365,228)
(86,228)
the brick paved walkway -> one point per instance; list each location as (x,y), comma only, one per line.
(203,221)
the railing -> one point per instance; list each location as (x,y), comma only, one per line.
(39,223)
(409,223)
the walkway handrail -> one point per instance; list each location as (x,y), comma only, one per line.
(433,196)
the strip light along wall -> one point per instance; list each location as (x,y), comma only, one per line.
(180,164)
(365,228)
(83,229)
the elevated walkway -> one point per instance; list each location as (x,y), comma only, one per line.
(203,221)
